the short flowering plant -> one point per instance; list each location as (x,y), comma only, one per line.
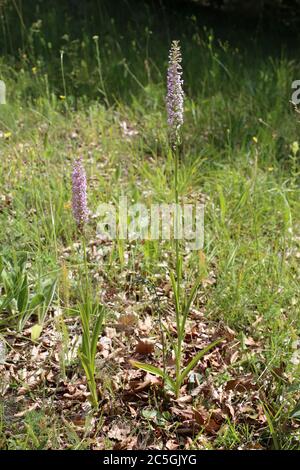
(91,314)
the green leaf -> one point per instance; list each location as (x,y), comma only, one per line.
(88,367)
(85,344)
(174,287)
(7,282)
(271,427)
(191,297)
(48,292)
(22,260)
(296,412)
(155,371)
(196,359)
(23,297)
(36,332)
(36,300)
(188,305)
(148,368)
(155,415)
(84,317)
(96,331)
(6,301)
(19,283)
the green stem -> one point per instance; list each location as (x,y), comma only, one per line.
(91,360)
(63,77)
(178,273)
(86,289)
(103,90)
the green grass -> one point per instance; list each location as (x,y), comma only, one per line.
(252,230)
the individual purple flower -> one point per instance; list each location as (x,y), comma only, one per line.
(175,94)
(79,194)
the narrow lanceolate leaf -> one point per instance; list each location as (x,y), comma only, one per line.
(197,358)
(174,286)
(23,296)
(189,303)
(7,282)
(271,427)
(155,371)
(48,294)
(1,265)
(84,316)
(4,303)
(169,336)
(36,300)
(96,332)
(85,345)
(88,368)
(191,297)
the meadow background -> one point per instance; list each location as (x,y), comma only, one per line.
(91,80)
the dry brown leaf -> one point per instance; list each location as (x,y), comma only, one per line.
(119,431)
(145,324)
(172,444)
(24,412)
(212,426)
(149,380)
(110,332)
(144,347)
(130,443)
(184,399)
(250,342)
(240,384)
(127,320)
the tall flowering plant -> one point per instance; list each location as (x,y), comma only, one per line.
(91,314)
(183,304)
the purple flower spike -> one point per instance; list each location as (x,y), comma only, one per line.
(175,94)
(79,195)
